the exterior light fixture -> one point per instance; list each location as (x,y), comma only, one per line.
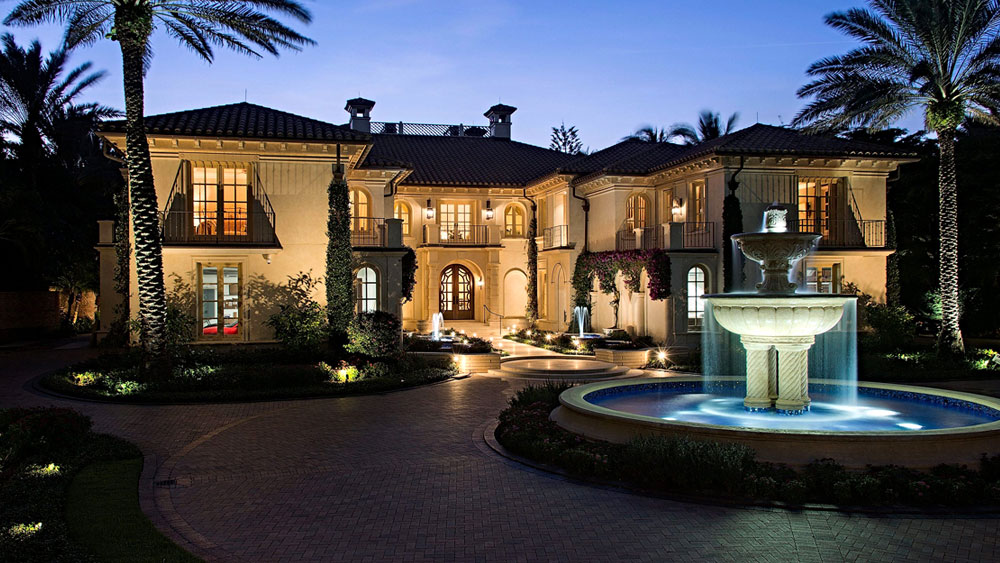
(489,211)
(678,202)
(429,211)
(479,282)
(661,355)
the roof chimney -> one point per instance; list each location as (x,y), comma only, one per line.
(499,116)
(360,110)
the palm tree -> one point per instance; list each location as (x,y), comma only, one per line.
(709,127)
(35,92)
(648,134)
(243,26)
(941,57)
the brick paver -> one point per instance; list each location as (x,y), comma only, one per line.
(404,476)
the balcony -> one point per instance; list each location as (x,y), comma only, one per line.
(185,228)
(555,237)
(845,233)
(691,235)
(460,234)
(368,232)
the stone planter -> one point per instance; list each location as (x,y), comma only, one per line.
(477,363)
(624,358)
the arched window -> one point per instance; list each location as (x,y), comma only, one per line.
(402,211)
(366,290)
(635,212)
(360,210)
(697,282)
(513,220)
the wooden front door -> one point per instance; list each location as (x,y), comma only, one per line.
(457,297)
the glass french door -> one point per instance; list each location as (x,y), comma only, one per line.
(457,297)
(456,221)
(219,310)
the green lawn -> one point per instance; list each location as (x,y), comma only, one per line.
(103,515)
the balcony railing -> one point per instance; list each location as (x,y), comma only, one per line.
(184,228)
(435,129)
(555,237)
(698,234)
(845,233)
(457,234)
(644,238)
(368,231)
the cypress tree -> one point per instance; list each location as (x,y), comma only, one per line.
(531,311)
(339,258)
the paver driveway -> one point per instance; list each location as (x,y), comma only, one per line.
(404,476)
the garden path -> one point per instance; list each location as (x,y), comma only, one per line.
(406,476)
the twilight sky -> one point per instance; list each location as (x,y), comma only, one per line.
(606,67)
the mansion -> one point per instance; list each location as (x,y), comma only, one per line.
(243,195)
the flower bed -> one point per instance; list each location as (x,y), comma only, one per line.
(685,466)
(241,375)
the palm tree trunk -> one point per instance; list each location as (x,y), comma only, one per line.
(145,217)
(950,339)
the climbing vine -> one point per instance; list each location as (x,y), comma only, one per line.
(605,267)
(409,264)
(531,311)
(339,259)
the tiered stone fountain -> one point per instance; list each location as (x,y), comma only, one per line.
(776,326)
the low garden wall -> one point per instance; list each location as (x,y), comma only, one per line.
(624,358)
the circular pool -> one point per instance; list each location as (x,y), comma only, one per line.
(887,424)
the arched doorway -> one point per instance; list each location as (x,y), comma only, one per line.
(457,296)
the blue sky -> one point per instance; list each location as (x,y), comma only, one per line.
(606,67)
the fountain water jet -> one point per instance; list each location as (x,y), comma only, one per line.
(581,314)
(437,319)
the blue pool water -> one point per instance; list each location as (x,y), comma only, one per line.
(873,411)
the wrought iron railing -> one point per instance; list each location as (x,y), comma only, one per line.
(644,238)
(457,234)
(368,231)
(185,228)
(845,233)
(555,237)
(699,234)
(434,129)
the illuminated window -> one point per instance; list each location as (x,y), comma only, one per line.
(456,221)
(513,219)
(219,291)
(635,212)
(402,211)
(696,285)
(366,290)
(360,210)
(220,196)
(822,278)
(817,202)
(696,210)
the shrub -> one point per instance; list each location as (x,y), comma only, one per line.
(32,431)
(375,370)
(343,373)
(547,392)
(375,334)
(688,464)
(472,345)
(301,328)
(417,344)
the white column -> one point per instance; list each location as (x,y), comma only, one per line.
(758,374)
(793,374)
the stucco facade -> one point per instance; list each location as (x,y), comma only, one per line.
(438,196)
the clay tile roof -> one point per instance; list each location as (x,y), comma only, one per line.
(463,161)
(242,120)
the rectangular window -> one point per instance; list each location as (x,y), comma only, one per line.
(220,293)
(456,221)
(818,200)
(822,278)
(220,197)
(696,211)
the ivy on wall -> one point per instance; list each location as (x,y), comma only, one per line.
(409,264)
(339,259)
(531,311)
(605,267)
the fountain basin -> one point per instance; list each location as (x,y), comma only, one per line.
(765,315)
(962,426)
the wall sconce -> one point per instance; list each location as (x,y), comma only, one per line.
(267,258)
(489,211)
(429,211)
(479,282)
(678,202)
